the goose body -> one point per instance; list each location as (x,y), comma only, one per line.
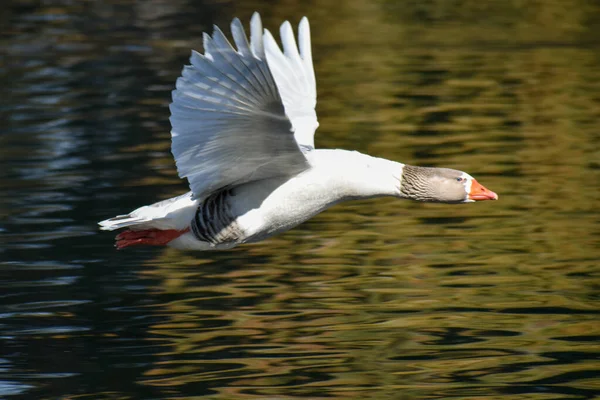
(243,123)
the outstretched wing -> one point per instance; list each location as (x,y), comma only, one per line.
(295,77)
(229,123)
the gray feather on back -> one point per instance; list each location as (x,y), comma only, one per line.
(229,124)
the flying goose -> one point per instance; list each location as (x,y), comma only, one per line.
(243,123)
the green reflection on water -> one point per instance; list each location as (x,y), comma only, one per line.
(380,298)
(389,299)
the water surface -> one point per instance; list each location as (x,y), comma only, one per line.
(380,298)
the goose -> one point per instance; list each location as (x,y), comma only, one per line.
(243,123)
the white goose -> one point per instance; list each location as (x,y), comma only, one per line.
(243,127)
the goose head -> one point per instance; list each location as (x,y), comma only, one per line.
(442,185)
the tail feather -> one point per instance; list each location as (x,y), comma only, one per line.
(175,213)
(121,221)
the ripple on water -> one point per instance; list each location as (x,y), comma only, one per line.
(373,299)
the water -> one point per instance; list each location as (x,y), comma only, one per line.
(380,299)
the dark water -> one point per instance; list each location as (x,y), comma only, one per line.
(377,299)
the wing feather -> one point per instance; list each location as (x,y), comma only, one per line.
(294,74)
(229,124)
(241,42)
(306,55)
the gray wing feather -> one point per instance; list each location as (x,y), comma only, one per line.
(229,124)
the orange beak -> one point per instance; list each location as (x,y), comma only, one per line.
(478,192)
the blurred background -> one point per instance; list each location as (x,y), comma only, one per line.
(378,299)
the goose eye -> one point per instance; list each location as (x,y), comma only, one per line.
(459,179)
